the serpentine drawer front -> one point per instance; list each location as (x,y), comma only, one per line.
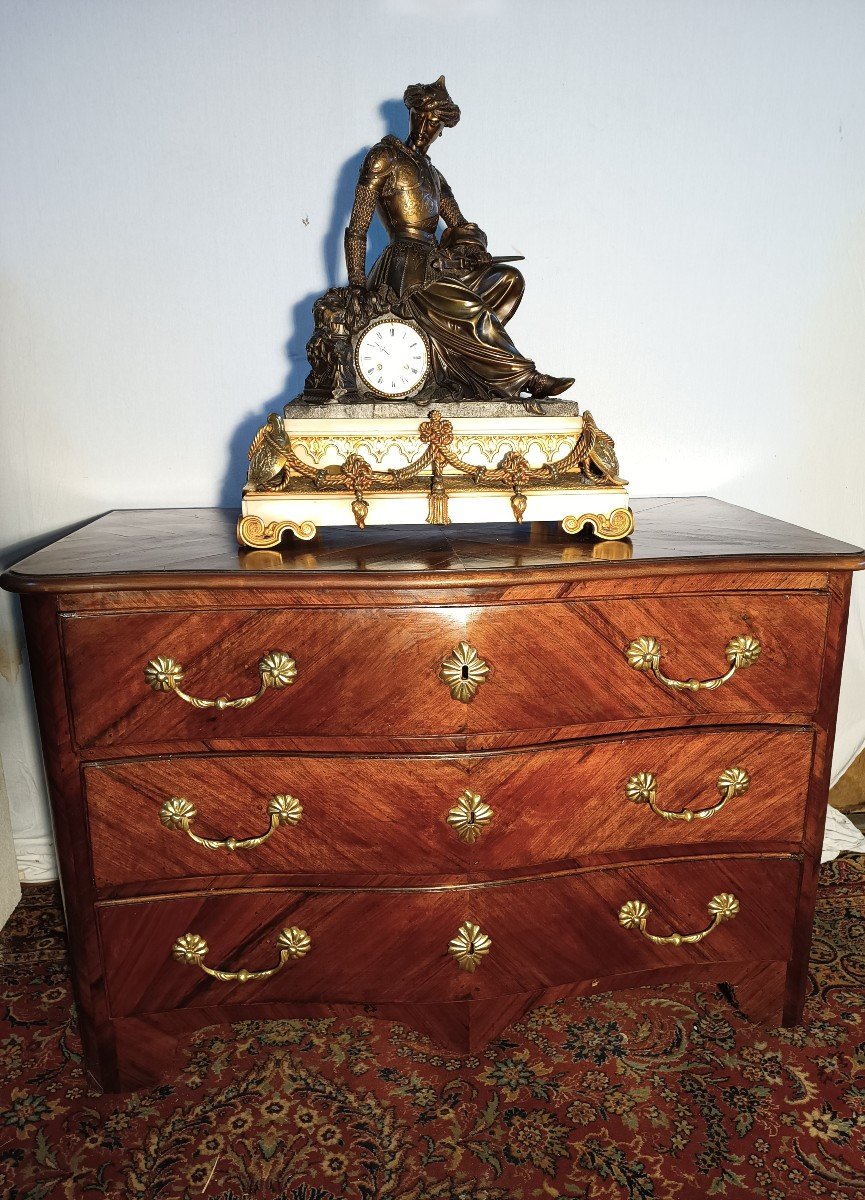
(186,676)
(230,815)
(542,677)
(434,774)
(384,946)
(347,668)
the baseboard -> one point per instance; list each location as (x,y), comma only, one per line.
(37,862)
(848,792)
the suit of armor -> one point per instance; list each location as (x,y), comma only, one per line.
(458,296)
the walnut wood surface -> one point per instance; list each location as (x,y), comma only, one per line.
(372,615)
(541,674)
(69,819)
(374,946)
(550,807)
(358,671)
(135,548)
(537,586)
(797,974)
(760,994)
(361,670)
(145,1050)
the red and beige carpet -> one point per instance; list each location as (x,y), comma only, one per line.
(644,1094)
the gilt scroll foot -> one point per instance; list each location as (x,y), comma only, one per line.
(252,531)
(608,526)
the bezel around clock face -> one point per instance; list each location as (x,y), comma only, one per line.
(367,384)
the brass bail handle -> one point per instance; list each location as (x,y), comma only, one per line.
(644,654)
(276,669)
(192,949)
(178,814)
(642,788)
(634,913)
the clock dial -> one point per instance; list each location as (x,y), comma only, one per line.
(392,358)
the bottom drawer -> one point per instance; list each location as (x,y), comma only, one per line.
(391,945)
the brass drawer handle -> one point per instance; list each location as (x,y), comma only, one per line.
(634,914)
(178,814)
(191,948)
(463,671)
(277,670)
(642,789)
(469,817)
(644,654)
(469,946)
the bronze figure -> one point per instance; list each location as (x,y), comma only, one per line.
(452,288)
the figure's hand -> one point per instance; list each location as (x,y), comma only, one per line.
(465,246)
(357,302)
(473,254)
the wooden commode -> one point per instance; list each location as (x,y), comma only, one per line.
(433,774)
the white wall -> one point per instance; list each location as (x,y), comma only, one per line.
(686,180)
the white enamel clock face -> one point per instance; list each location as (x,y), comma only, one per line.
(391,358)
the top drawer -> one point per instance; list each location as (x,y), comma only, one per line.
(378,671)
(567,664)
(354,671)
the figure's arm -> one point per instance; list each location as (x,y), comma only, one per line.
(355,235)
(372,175)
(459,232)
(448,207)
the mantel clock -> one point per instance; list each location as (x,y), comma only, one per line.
(419,405)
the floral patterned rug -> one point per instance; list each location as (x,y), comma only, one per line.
(670,1093)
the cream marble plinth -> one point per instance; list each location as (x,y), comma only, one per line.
(300,479)
(266,516)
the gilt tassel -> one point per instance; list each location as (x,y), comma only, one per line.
(438,504)
(360,508)
(518,504)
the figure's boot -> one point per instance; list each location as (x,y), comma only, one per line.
(541,387)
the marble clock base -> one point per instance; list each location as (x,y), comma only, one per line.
(311,472)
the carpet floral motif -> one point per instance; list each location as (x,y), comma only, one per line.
(642,1095)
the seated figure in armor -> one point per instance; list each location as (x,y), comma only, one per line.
(456,292)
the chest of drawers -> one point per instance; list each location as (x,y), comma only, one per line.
(435,775)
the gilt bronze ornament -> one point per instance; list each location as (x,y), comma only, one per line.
(418,405)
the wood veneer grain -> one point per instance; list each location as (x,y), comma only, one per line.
(369,946)
(553,615)
(366,814)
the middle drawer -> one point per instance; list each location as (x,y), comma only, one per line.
(228,815)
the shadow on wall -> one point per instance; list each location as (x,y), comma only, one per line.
(393,115)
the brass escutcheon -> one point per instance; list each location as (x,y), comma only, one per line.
(469,817)
(469,946)
(463,671)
